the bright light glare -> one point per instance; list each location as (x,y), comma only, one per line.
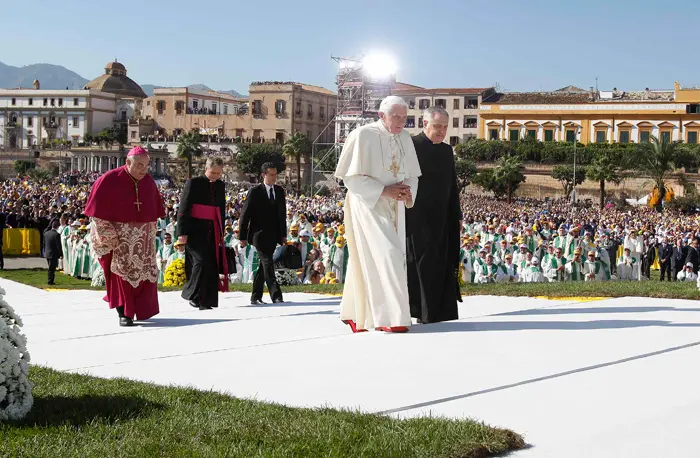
(379,65)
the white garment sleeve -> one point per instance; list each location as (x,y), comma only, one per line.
(366,188)
(413,183)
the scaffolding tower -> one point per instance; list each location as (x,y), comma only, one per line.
(359,96)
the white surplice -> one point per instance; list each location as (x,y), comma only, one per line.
(376,290)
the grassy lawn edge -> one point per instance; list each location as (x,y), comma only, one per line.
(80,415)
(568,290)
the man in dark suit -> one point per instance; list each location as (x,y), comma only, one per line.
(680,253)
(665,255)
(52,249)
(263,223)
(693,256)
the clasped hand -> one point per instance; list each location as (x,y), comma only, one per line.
(398,191)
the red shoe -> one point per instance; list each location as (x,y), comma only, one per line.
(353,326)
(397,329)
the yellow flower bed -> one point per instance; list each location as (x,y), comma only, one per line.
(175,274)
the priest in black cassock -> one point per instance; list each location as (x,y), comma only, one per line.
(433,226)
(200,227)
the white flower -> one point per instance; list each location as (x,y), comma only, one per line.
(15,388)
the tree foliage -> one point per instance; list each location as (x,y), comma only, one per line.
(504,179)
(22,167)
(251,157)
(564,174)
(189,147)
(296,148)
(656,160)
(606,167)
(466,171)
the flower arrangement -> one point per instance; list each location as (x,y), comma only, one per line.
(287,277)
(15,388)
(175,273)
(654,196)
(98,278)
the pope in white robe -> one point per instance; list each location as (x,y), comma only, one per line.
(380,169)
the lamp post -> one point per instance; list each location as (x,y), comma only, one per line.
(573,196)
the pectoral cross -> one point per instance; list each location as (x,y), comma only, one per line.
(138,205)
(394,166)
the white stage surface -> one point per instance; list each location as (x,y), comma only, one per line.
(603,378)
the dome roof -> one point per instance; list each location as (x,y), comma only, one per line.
(115,81)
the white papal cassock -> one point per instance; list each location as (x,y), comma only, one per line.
(376,290)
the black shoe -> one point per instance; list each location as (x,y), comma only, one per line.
(204,307)
(51,283)
(126,321)
(257,302)
(194,304)
(278,301)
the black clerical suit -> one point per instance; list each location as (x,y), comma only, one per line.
(264,224)
(53,251)
(201,269)
(665,255)
(433,235)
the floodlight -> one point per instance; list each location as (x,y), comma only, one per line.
(379,65)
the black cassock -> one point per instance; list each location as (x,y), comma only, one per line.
(432,235)
(201,269)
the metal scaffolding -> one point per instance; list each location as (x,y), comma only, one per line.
(359,96)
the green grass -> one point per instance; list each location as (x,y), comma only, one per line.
(652,288)
(81,416)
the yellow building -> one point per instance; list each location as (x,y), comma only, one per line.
(592,116)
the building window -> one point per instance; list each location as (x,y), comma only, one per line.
(666,137)
(442,103)
(322,113)
(570,135)
(30,122)
(75,102)
(692,136)
(308,134)
(76,121)
(693,108)
(195,104)
(514,135)
(133,135)
(225,109)
(298,109)
(60,102)
(423,104)
(454,141)
(179,107)
(257,107)
(455,122)
(214,108)
(549,135)
(644,136)
(471,103)
(280,107)
(600,136)
(624,136)
(160,106)
(46,102)
(410,122)
(493,134)
(469,122)
(309,111)
(420,122)
(30,102)
(53,102)
(14,101)
(531,133)
(239,132)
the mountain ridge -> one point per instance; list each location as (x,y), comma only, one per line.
(52,76)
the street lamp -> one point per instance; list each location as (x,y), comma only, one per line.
(573,194)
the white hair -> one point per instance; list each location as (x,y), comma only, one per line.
(390,102)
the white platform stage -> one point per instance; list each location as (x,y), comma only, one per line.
(607,378)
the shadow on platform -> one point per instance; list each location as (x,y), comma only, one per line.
(180,322)
(480,326)
(564,311)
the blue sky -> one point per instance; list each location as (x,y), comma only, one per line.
(226,44)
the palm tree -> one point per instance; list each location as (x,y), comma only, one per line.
(188,147)
(655,160)
(605,167)
(296,147)
(509,171)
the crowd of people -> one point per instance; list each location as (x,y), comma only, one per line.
(529,240)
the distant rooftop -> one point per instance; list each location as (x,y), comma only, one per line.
(405,89)
(572,95)
(306,87)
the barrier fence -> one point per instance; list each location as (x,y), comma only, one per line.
(21,242)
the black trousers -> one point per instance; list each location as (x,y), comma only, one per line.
(202,273)
(666,270)
(265,274)
(53,264)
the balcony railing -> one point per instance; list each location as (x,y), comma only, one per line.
(470,125)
